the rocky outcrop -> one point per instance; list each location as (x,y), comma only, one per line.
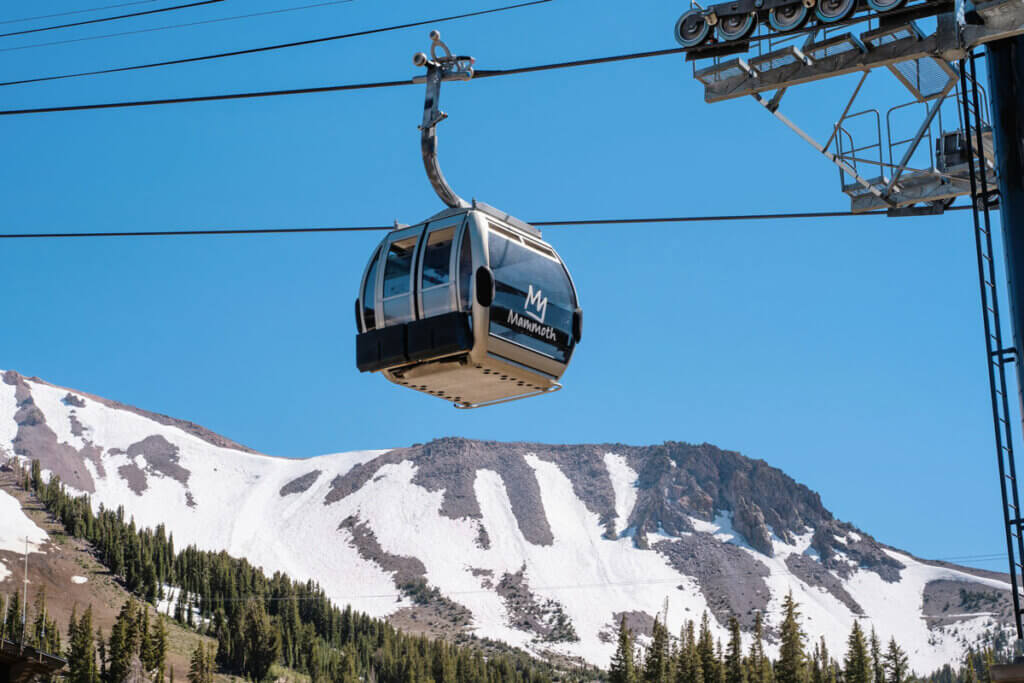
(749,521)
(35,439)
(679,481)
(844,549)
(676,482)
(815,574)
(406,570)
(638,623)
(450,466)
(545,618)
(731,579)
(300,484)
(72,400)
(946,601)
(134,477)
(160,457)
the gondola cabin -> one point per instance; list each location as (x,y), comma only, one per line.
(471,306)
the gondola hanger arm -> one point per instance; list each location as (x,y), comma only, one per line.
(440,67)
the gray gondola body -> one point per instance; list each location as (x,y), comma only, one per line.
(425,323)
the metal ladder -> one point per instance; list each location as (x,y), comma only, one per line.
(998,355)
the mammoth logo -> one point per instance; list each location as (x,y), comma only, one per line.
(539,305)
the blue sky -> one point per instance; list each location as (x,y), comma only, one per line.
(847,352)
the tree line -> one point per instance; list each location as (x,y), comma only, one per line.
(696,657)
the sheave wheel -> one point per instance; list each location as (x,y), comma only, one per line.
(831,11)
(692,29)
(788,17)
(735,26)
(885,5)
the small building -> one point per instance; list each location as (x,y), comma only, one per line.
(23,664)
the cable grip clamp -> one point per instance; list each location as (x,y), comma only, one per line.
(452,67)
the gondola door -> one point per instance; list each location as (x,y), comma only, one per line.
(436,267)
(395,290)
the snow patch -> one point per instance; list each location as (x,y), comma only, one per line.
(721,528)
(8,427)
(15,527)
(624,485)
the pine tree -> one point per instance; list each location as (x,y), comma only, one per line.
(656,661)
(989,660)
(876,657)
(857,665)
(895,663)
(122,645)
(158,648)
(967,674)
(262,641)
(101,652)
(3,619)
(706,651)
(146,654)
(735,671)
(792,660)
(760,664)
(621,669)
(824,665)
(688,669)
(12,622)
(81,650)
(201,669)
(37,636)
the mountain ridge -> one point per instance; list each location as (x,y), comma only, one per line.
(540,545)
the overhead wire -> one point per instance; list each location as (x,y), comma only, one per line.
(483,73)
(101,20)
(278,46)
(206,98)
(332,88)
(77,11)
(153,29)
(374,228)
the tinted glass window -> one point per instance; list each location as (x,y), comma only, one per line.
(399,263)
(437,257)
(534,301)
(369,290)
(465,270)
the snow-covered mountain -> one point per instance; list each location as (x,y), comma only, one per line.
(544,547)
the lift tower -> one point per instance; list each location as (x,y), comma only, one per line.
(955,144)
(1006,84)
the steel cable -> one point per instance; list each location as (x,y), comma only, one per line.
(268,48)
(105,19)
(371,228)
(77,11)
(174,26)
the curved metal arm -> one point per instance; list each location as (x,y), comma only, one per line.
(439,69)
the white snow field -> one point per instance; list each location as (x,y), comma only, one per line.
(15,529)
(232,501)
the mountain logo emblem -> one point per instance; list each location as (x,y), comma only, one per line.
(536,307)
